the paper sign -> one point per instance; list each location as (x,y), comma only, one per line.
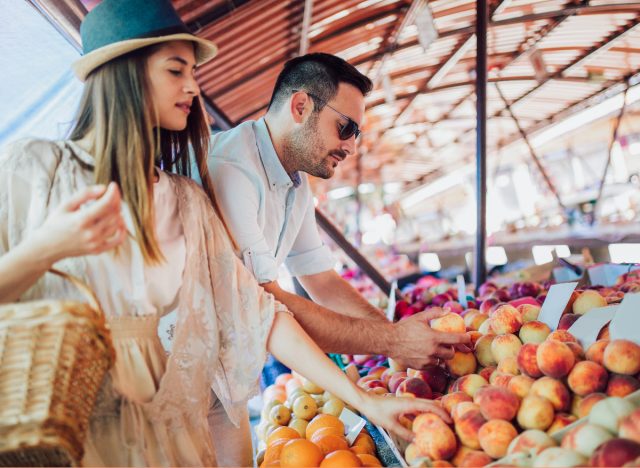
(587,327)
(353,424)
(625,324)
(564,274)
(607,274)
(557,299)
(391,306)
(462,291)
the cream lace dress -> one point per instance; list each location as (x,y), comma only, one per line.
(152,409)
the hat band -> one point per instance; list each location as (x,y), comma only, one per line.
(177,29)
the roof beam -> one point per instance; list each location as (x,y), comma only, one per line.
(306,22)
(65,16)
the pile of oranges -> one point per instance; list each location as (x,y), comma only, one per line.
(323,445)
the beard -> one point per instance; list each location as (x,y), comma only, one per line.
(304,150)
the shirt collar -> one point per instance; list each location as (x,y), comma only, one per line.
(276,175)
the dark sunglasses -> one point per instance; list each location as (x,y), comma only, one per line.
(345,130)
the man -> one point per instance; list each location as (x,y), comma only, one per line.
(259,175)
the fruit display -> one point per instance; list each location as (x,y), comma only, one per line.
(523,383)
(300,427)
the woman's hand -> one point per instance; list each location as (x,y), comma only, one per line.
(385,411)
(76,228)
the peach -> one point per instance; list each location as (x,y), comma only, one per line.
(452,399)
(475,458)
(461,408)
(497,403)
(585,439)
(501,379)
(434,438)
(622,385)
(520,385)
(474,319)
(575,404)
(529,312)
(473,337)
(483,352)
(486,372)
(386,375)
(459,455)
(561,421)
(562,335)
(506,319)
(567,320)
(495,436)
(616,452)
(604,333)
(504,346)
(558,456)
(622,357)
(609,412)
(395,381)
(588,300)
(534,332)
(449,323)
(630,426)
(535,413)
(396,366)
(554,391)
(528,361)
(462,364)
(470,384)
(595,352)
(485,327)
(467,427)
(531,442)
(584,407)
(587,377)
(554,358)
(576,349)
(414,387)
(509,365)
(377,371)
(435,376)
(411,454)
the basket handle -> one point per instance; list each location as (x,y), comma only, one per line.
(82,286)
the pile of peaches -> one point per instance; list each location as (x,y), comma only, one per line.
(523,383)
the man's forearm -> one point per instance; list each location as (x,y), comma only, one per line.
(333,292)
(333,332)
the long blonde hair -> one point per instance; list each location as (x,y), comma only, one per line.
(116,106)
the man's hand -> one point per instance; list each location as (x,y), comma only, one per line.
(416,345)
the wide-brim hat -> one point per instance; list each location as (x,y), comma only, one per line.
(116,27)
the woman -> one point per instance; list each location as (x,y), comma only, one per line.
(140,113)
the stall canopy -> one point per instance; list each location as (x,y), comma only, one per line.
(549,58)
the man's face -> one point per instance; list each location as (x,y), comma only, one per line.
(316,146)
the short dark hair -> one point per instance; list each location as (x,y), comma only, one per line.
(319,74)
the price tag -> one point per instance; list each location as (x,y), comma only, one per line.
(462,291)
(353,424)
(587,327)
(607,274)
(555,303)
(624,326)
(391,306)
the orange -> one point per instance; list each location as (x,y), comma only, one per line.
(369,460)
(300,453)
(324,420)
(365,440)
(273,451)
(282,432)
(340,459)
(330,443)
(361,450)
(323,432)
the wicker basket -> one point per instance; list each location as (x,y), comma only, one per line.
(53,358)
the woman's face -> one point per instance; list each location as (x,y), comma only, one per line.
(173,86)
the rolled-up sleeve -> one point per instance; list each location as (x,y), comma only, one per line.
(309,255)
(239,203)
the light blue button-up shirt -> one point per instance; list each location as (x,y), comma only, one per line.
(271,217)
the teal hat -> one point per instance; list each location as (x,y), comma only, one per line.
(117,27)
